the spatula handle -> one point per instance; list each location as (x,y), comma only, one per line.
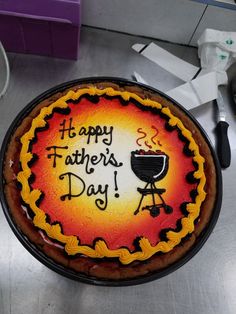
(223,147)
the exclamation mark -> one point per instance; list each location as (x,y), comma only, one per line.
(116,186)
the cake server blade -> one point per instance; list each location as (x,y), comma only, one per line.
(223,146)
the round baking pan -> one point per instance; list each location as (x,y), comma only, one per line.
(78,276)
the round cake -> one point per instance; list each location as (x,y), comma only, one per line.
(110,180)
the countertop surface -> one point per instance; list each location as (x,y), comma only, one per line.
(206,284)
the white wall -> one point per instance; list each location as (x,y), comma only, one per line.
(216,18)
(172,20)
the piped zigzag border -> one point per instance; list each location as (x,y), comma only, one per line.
(100,249)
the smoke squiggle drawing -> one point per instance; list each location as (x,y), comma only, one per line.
(144,135)
(140,138)
(155,135)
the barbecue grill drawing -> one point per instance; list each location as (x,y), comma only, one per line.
(151,167)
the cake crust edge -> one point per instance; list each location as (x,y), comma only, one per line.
(112,270)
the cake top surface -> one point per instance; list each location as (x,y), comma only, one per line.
(107,173)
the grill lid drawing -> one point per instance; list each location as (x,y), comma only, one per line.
(150,167)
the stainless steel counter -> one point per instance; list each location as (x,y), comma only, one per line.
(206,284)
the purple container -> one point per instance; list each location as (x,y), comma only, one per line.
(44,27)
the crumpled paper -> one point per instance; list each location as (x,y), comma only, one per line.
(196,92)
(217,52)
(176,66)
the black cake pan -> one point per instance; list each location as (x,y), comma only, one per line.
(40,256)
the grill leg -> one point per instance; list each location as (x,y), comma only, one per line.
(168,209)
(140,202)
(153,197)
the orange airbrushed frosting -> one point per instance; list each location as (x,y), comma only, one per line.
(78,222)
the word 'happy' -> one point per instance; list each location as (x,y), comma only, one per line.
(90,132)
